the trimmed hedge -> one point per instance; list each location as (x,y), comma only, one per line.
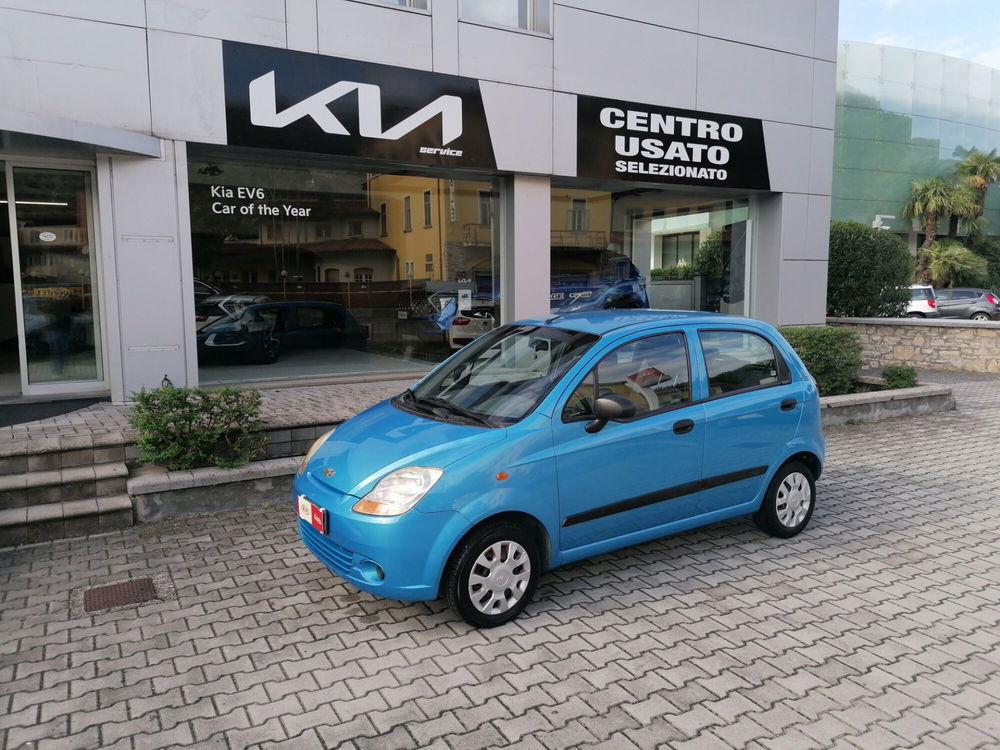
(832,355)
(869,271)
(899,376)
(185,428)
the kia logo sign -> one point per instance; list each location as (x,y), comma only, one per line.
(264,110)
(304,102)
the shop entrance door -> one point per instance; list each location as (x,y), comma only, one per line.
(10,369)
(52,258)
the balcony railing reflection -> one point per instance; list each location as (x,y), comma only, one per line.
(482,235)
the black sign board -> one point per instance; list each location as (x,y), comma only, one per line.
(646,143)
(298,101)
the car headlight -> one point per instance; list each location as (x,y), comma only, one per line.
(315,447)
(398,491)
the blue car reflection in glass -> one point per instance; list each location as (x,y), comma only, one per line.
(548,441)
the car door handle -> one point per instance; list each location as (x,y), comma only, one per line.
(788,404)
(683,426)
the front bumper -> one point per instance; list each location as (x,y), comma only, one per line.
(411,549)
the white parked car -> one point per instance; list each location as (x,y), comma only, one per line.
(923,302)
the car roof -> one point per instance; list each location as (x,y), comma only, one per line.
(603,321)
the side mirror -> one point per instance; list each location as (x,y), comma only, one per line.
(611,406)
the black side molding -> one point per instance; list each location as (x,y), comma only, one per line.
(659,496)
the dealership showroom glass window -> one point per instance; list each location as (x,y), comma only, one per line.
(320,271)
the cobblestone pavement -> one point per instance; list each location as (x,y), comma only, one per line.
(280,407)
(879,627)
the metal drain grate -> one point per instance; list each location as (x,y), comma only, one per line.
(136,591)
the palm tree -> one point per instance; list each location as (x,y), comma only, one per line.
(933,198)
(980,170)
(946,262)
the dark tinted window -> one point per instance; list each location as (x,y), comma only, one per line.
(738,360)
(316,317)
(944,294)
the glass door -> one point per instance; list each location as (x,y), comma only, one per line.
(10,369)
(55,274)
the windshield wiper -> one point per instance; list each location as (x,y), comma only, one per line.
(453,408)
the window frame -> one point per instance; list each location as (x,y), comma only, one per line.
(662,410)
(407,6)
(784,371)
(531,13)
(407,213)
(428,213)
(383,219)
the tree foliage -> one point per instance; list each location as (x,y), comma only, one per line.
(934,198)
(868,273)
(949,263)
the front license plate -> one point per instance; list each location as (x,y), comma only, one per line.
(312,514)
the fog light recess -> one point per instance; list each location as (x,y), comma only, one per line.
(372,571)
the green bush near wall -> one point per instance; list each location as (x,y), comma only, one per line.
(832,355)
(899,376)
(185,428)
(869,271)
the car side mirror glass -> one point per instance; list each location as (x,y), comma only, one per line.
(606,408)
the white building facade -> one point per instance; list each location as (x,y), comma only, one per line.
(252,191)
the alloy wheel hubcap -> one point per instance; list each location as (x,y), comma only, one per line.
(499,577)
(794,499)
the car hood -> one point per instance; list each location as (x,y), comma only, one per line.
(382,439)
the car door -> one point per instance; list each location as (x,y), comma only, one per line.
(315,327)
(751,414)
(950,303)
(638,473)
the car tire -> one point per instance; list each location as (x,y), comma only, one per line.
(789,502)
(980,316)
(915,315)
(501,550)
(270,351)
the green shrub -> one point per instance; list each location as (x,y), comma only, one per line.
(947,263)
(899,376)
(711,258)
(183,428)
(832,355)
(868,273)
(682,271)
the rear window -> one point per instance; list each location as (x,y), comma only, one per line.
(921,293)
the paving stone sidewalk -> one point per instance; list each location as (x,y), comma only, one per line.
(877,628)
(280,407)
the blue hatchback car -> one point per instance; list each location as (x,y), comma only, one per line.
(547,441)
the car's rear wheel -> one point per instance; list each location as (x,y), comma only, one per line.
(493,574)
(980,316)
(789,502)
(914,315)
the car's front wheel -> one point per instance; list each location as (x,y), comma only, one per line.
(493,574)
(789,502)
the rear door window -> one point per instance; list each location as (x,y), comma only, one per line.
(739,361)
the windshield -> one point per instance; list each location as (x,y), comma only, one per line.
(502,376)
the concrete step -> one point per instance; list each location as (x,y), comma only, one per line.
(55,453)
(62,485)
(59,520)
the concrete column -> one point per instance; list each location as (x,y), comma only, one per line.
(154,295)
(526,247)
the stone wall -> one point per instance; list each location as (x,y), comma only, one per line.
(930,344)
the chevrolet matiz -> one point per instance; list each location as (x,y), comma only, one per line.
(548,441)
